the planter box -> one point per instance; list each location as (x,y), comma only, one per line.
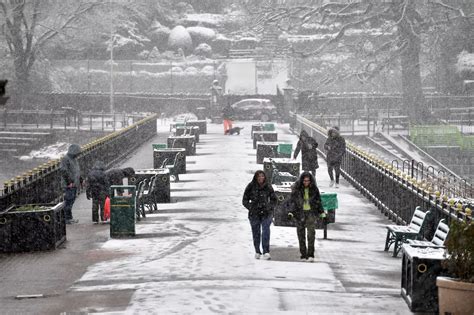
(455,297)
(32,227)
(159,155)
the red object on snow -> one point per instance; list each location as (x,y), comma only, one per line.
(107,209)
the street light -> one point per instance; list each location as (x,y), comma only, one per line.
(112,109)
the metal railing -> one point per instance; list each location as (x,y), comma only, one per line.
(43,184)
(394,190)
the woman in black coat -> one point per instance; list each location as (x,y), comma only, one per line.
(335,147)
(260,200)
(309,153)
(306,207)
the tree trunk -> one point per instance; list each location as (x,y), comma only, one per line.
(412,93)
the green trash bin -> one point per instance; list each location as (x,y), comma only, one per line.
(159,146)
(284,150)
(268,127)
(122,211)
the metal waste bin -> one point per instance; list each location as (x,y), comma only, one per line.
(122,210)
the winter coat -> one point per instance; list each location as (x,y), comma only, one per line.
(309,153)
(97,182)
(69,167)
(228,113)
(297,197)
(115,176)
(259,200)
(335,146)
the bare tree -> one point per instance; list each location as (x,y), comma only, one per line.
(28,25)
(402,26)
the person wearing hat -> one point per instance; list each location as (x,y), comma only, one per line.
(335,147)
(70,180)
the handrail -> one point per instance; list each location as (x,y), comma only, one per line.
(395,193)
(42,184)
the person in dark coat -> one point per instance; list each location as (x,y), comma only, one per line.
(227,116)
(98,189)
(335,147)
(115,176)
(260,200)
(70,180)
(309,153)
(305,208)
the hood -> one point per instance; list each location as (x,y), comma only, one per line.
(128,171)
(299,183)
(303,134)
(254,180)
(333,132)
(99,165)
(74,150)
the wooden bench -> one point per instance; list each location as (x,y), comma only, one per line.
(399,234)
(172,167)
(439,237)
(146,197)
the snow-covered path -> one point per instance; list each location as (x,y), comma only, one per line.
(196,255)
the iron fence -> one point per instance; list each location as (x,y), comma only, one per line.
(394,189)
(43,184)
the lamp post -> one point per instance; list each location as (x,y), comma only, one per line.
(112,109)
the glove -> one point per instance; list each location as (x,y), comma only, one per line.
(290,216)
(324,214)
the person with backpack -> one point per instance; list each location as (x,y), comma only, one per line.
(305,208)
(260,200)
(98,189)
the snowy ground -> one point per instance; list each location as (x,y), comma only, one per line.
(195,255)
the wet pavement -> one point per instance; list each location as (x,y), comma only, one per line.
(195,254)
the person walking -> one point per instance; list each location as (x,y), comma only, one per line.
(260,199)
(305,208)
(309,154)
(227,116)
(70,180)
(97,189)
(335,147)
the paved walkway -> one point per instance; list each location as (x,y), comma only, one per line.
(195,255)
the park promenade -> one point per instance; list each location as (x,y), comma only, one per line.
(195,256)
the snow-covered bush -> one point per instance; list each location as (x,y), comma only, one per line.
(221,45)
(245,43)
(180,38)
(203,50)
(201,34)
(465,63)
(158,35)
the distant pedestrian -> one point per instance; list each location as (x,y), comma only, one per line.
(98,189)
(305,208)
(309,152)
(227,116)
(335,147)
(260,200)
(70,180)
